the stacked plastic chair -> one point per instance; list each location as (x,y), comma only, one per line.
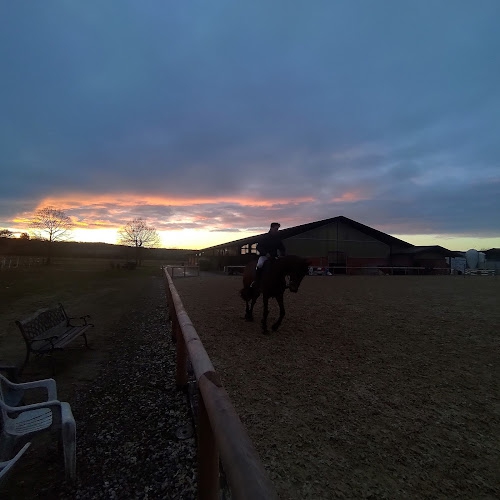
(21,422)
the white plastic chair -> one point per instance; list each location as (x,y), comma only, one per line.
(21,423)
(5,467)
(13,393)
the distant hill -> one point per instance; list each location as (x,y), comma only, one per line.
(37,248)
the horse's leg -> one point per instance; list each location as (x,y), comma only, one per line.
(276,325)
(250,303)
(248,311)
(265,314)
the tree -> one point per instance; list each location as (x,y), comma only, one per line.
(50,224)
(138,234)
(24,236)
(6,233)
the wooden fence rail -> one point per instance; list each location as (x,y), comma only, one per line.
(220,431)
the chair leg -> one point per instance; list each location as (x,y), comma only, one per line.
(86,343)
(7,444)
(69,441)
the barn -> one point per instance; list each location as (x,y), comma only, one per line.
(339,244)
(492,257)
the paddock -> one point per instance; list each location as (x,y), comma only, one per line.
(383,386)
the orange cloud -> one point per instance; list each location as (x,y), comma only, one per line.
(108,211)
(70,201)
(351,196)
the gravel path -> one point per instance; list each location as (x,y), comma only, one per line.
(128,417)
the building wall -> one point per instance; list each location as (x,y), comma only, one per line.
(339,242)
(430,260)
(335,244)
(492,264)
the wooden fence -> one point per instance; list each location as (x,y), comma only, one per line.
(220,431)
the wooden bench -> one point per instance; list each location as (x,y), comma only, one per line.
(52,329)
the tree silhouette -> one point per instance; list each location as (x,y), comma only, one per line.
(138,234)
(50,224)
(6,233)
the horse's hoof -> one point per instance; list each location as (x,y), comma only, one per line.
(266,332)
(248,318)
(274,328)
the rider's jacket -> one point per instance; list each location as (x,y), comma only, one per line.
(270,244)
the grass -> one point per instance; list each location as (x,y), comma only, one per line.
(66,277)
(83,286)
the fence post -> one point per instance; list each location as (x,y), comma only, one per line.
(208,457)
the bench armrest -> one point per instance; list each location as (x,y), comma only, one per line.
(83,318)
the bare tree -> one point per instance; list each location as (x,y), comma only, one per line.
(138,234)
(6,233)
(50,224)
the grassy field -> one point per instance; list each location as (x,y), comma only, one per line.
(84,286)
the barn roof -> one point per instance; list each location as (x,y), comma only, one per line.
(296,230)
(433,248)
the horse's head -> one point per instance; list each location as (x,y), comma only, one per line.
(297,271)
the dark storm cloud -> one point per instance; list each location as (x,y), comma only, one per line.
(383,112)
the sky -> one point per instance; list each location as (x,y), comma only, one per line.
(212,119)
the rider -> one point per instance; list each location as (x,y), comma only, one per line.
(269,246)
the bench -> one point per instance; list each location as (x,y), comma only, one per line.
(51,329)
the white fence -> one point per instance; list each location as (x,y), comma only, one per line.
(379,270)
(19,262)
(234,269)
(480,272)
(177,271)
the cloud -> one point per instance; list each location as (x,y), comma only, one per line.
(225,115)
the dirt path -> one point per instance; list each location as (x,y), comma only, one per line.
(127,414)
(382,387)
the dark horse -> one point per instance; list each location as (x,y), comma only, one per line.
(273,284)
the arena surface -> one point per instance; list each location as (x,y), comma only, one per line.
(383,387)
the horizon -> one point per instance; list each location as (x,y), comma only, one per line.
(461,244)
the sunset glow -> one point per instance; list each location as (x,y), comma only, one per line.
(209,124)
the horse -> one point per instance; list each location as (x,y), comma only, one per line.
(273,284)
